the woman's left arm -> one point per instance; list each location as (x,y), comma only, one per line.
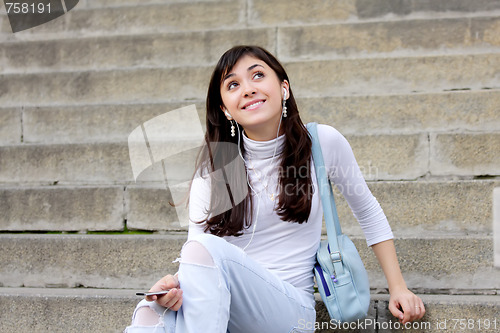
(346,174)
(403,304)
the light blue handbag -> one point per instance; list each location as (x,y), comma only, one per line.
(340,274)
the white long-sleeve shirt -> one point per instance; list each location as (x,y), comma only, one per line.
(289,249)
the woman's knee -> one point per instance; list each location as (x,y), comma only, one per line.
(209,250)
(147,314)
(195,252)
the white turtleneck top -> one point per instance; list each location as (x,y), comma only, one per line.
(285,248)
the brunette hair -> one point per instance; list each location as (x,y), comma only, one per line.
(294,203)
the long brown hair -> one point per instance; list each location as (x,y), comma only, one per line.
(294,203)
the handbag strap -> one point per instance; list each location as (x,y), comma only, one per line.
(333,228)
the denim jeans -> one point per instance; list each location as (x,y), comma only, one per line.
(235,295)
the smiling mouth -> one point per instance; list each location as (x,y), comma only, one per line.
(253,105)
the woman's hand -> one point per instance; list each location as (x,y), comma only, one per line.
(406,306)
(172,300)
(403,304)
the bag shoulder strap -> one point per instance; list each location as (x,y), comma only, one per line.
(325,189)
(333,228)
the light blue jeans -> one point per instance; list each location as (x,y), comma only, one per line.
(235,295)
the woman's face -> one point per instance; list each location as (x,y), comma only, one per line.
(252,94)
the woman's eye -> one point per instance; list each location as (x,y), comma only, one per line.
(258,75)
(232,85)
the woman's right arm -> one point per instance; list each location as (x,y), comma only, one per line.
(199,202)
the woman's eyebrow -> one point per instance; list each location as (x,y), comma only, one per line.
(253,66)
(248,69)
(228,76)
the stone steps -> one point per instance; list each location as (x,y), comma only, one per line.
(188,16)
(363,9)
(404,75)
(114,52)
(460,207)
(388,38)
(333,41)
(443,312)
(94,261)
(380,157)
(467,111)
(413,85)
(153,16)
(63,310)
(429,263)
(62,208)
(393,75)
(471,111)
(66,310)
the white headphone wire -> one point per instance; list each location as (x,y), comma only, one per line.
(248,180)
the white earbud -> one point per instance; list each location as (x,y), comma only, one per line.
(284,93)
(227,113)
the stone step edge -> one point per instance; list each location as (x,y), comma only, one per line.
(441,310)
(287,63)
(394,16)
(381,20)
(130,294)
(153,184)
(182,234)
(160,184)
(184,102)
(202,101)
(413,16)
(399,54)
(161,33)
(197,139)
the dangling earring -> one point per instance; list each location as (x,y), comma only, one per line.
(228,115)
(284,103)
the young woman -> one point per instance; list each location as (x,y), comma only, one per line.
(248,263)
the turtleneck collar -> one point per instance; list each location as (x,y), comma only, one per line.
(263,149)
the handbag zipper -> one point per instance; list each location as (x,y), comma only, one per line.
(322,278)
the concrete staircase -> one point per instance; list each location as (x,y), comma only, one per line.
(413,84)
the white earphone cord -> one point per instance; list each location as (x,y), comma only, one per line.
(248,180)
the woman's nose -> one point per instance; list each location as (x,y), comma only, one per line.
(248,90)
